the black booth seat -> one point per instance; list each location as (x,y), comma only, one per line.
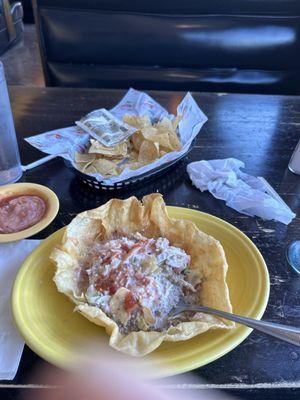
(211,45)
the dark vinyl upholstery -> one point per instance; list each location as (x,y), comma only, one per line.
(209,45)
(28,12)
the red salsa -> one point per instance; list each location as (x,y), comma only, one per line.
(20,212)
(130,302)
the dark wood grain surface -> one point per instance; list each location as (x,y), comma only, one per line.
(262,131)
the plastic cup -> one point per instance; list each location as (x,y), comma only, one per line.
(10,164)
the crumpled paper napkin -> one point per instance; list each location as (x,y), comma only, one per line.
(242,192)
(11,344)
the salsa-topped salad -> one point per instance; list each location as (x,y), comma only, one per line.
(135,280)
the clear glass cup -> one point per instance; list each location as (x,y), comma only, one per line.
(293,255)
(10,164)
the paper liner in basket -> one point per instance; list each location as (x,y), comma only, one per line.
(149,217)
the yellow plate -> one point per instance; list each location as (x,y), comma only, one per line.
(49,326)
(18,189)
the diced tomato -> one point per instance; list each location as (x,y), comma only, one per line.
(140,243)
(141,279)
(130,302)
(110,255)
(106,284)
(112,289)
(125,247)
(107,259)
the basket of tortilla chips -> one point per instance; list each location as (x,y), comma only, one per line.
(144,140)
(126,264)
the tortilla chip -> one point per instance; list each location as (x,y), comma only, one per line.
(79,165)
(136,165)
(93,163)
(150,217)
(137,121)
(133,156)
(162,153)
(119,150)
(137,139)
(132,165)
(89,169)
(165,124)
(166,129)
(82,166)
(103,167)
(149,132)
(174,140)
(149,151)
(84,157)
(176,121)
(163,140)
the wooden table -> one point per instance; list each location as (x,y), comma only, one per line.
(262,131)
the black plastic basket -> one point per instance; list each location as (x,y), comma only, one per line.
(130,183)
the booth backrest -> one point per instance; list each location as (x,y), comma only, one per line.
(208,45)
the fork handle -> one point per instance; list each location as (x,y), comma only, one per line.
(289,334)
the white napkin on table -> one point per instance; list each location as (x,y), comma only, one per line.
(242,192)
(11,344)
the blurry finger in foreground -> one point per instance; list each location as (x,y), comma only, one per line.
(106,375)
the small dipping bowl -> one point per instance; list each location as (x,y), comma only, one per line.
(30,189)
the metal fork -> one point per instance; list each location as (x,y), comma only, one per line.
(289,334)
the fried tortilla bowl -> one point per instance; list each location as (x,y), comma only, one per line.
(125,217)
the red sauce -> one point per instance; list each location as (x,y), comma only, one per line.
(117,278)
(139,244)
(130,302)
(20,212)
(107,283)
(141,279)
